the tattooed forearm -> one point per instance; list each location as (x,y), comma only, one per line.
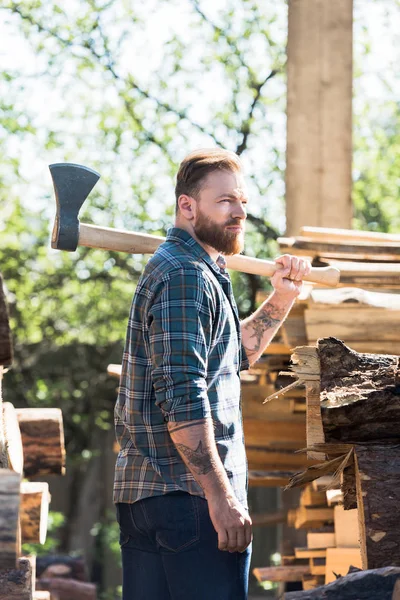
(199,460)
(173,427)
(268,318)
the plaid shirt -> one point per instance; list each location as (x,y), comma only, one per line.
(181,362)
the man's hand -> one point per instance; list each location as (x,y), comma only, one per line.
(231,522)
(288,279)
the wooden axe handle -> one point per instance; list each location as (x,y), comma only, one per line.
(144,243)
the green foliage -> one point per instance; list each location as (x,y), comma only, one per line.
(55,522)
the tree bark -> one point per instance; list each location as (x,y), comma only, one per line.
(43,440)
(12,437)
(68,589)
(60,565)
(17,584)
(10,543)
(378,498)
(363,585)
(35,500)
(360,394)
(5,335)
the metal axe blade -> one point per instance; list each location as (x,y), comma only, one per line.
(72,185)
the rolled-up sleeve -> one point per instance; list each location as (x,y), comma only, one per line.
(245,363)
(180,326)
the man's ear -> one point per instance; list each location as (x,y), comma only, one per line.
(187,206)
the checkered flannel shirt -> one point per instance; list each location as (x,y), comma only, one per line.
(181,362)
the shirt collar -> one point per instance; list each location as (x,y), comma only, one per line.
(181,236)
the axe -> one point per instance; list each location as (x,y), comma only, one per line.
(72,185)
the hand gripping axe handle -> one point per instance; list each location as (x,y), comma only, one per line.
(72,185)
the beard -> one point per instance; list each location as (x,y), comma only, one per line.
(217,236)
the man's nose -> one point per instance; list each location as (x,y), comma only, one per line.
(239,211)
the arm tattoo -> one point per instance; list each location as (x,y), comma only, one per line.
(198,459)
(261,323)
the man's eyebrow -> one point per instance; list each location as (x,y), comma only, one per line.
(232,195)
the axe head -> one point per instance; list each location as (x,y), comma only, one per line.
(72,185)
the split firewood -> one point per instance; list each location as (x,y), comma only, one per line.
(43,440)
(18,583)
(12,437)
(10,542)
(68,589)
(35,500)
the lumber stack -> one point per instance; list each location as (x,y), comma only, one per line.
(31,444)
(369,291)
(333,545)
(356,434)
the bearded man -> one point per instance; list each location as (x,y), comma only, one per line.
(181,473)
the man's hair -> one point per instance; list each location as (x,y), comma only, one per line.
(198,164)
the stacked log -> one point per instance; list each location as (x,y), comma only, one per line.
(31,443)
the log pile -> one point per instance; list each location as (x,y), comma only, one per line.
(31,444)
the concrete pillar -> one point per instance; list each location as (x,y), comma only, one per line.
(319,114)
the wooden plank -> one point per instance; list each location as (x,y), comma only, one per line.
(306,365)
(346,527)
(310,552)
(269,479)
(314,429)
(322,483)
(263,459)
(384,252)
(348,323)
(340,235)
(348,298)
(334,497)
(319,97)
(312,518)
(274,434)
(287,573)
(311,497)
(318,565)
(321,540)
(339,561)
(278,409)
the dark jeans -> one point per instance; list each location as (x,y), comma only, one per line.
(170,552)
